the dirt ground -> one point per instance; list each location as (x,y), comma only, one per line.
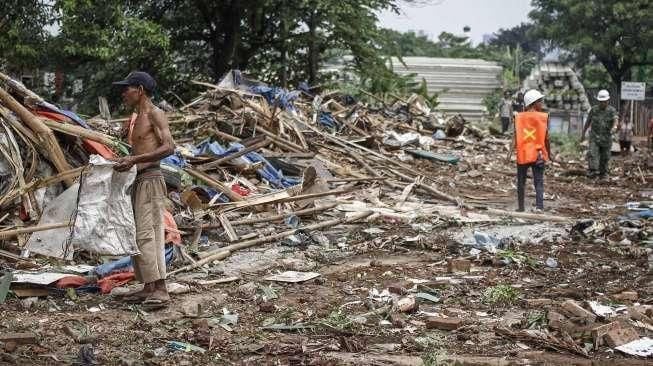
(332,320)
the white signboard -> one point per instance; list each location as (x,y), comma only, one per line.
(632,90)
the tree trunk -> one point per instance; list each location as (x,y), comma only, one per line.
(224,50)
(283,72)
(313,48)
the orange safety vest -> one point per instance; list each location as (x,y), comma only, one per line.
(530,136)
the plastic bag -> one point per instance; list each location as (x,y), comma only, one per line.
(104,222)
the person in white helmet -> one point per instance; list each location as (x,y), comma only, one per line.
(603,120)
(532,147)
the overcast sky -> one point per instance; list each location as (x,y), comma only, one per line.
(483,16)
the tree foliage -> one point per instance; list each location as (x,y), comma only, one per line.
(101,42)
(284,41)
(23,32)
(617,33)
(522,36)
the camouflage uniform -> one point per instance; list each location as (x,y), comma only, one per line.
(602,121)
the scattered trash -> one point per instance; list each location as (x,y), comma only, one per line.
(382,296)
(487,242)
(184,347)
(606,311)
(427,297)
(642,347)
(5,283)
(551,262)
(292,276)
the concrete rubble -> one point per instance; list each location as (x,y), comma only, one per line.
(307,227)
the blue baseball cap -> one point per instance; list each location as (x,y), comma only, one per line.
(138,78)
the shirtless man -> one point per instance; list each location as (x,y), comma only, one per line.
(151,141)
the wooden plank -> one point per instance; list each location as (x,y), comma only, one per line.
(231,234)
(308,211)
(30,292)
(254,201)
(222,253)
(19,338)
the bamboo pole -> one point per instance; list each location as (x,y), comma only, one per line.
(213,257)
(365,165)
(233,196)
(528,215)
(224,135)
(282,143)
(21,89)
(40,183)
(79,131)
(347,180)
(11,233)
(42,132)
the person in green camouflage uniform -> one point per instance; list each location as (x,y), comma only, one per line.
(603,120)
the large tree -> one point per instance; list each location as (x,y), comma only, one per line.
(281,40)
(101,42)
(23,33)
(521,35)
(618,33)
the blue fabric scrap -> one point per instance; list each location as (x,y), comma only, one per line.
(125,264)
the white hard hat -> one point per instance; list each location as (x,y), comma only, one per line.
(531,97)
(603,95)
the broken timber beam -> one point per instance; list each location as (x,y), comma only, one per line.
(220,253)
(229,230)
(305,212)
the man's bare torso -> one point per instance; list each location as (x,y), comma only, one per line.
(145,137)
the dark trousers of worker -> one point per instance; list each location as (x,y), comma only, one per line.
(505,124)
(538,182)
(599,157)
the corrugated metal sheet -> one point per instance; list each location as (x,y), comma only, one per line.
(461,83)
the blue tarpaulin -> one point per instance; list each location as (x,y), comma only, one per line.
(276,96)
(69,114)
(327,120)
(268,172)
(174,160)
(124,264)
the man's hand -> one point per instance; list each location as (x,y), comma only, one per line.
(124,164)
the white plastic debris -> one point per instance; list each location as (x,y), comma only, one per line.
(292,276)
(485,241)
(642,347)
(551,262)
(104,223)
(605,310)
(380,296)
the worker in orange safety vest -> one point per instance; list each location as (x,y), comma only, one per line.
(532,147)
